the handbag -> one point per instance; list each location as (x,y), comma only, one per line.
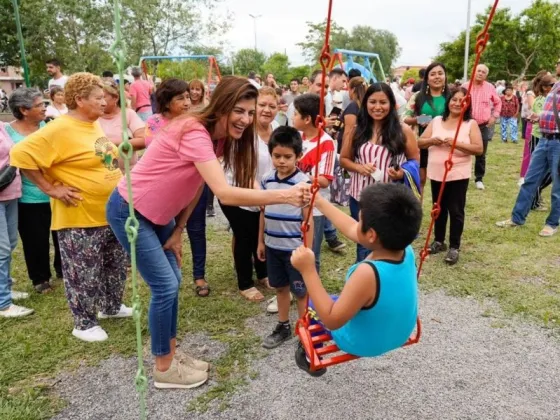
(7,175)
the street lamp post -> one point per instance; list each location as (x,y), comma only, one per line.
(467,42)
(255,17)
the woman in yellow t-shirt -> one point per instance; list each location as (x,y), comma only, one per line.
(72,161)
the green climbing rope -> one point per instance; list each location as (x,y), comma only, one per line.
(118,51)
(21,45)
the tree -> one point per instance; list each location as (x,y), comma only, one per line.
(519,45)
(410,73)
(299,72)
(279,65)
(247,60)
(361,38)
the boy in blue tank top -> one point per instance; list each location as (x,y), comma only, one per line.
(377,309)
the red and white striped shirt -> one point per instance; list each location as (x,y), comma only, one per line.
(485,102)
(327,153)
(377,155)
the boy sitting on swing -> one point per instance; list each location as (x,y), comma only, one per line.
(377,309)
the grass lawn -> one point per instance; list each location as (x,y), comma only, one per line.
(515,267)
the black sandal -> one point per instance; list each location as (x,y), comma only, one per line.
(199,289)
(43,288)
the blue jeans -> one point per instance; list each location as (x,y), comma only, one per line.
(158,268)
(545,158)
(8,242)
(318,229)
(510,122)
(361,251)
(196,229)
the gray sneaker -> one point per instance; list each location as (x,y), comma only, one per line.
(179,376)
(280,334)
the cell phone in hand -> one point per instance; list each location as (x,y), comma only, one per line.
(336,111)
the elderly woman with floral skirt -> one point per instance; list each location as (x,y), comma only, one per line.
(72,161)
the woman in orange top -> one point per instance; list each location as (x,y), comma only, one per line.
(438,137)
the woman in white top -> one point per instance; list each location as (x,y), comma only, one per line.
(244,221)
(58,105)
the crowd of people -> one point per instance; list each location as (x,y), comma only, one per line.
(255,147)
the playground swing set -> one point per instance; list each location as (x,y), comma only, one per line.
(367,69)
(316,341)
(214,75)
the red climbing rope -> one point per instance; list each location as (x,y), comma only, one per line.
(325,60)
(481,41)
(313,336)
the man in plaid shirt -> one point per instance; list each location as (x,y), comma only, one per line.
(545,158)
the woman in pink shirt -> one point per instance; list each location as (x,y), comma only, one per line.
(111,121)
(438,137)
(167,183)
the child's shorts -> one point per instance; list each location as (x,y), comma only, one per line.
(282,274)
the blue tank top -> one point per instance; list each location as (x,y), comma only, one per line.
(388,324)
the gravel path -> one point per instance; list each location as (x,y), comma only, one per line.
(467,366)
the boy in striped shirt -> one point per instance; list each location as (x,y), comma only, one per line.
(280,231)
(306,110)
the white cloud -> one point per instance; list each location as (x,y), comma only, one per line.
(420,26)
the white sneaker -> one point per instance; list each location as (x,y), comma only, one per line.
(124,312)
(15,311)
(272,307)
(479,185)
(19,295)
(91,335)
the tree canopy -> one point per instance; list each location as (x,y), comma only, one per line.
(360,38)
(520,45)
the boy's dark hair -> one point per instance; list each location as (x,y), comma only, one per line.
(54,61)
(393,212)
(508,86)
(308,106)
(295,79)
(286,137)
(354,73)
(107,73)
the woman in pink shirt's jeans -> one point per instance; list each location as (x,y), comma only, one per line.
(438,137)
(167,183)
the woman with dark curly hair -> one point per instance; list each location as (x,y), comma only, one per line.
(172,99)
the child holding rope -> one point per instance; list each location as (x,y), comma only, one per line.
(377,309)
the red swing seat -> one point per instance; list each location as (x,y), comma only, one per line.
(329,354)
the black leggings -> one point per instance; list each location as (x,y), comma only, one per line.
(34,226)
(245,227)
(453,206)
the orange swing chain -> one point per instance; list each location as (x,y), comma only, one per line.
(324,59)
(481,41)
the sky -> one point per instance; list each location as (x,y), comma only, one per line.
(420,26)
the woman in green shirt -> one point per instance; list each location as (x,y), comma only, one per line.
(542,87)
(34,209)
(425,105)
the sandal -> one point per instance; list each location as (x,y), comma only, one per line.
(43,288)
(264,283)
(252,295)
(202,291)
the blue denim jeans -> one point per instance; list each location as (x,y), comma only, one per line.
(545,158)
(8,242)
(511,123)
(361,252)
(158,268)
(196,229)
(330,231)
(318,230)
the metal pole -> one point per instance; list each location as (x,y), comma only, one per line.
(467,42)
(21,46)
(255,17)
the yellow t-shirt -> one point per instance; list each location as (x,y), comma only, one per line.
(77,154)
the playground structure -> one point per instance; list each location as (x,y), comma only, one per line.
(367,69)
(212,65)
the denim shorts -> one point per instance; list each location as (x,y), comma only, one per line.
(281,273)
